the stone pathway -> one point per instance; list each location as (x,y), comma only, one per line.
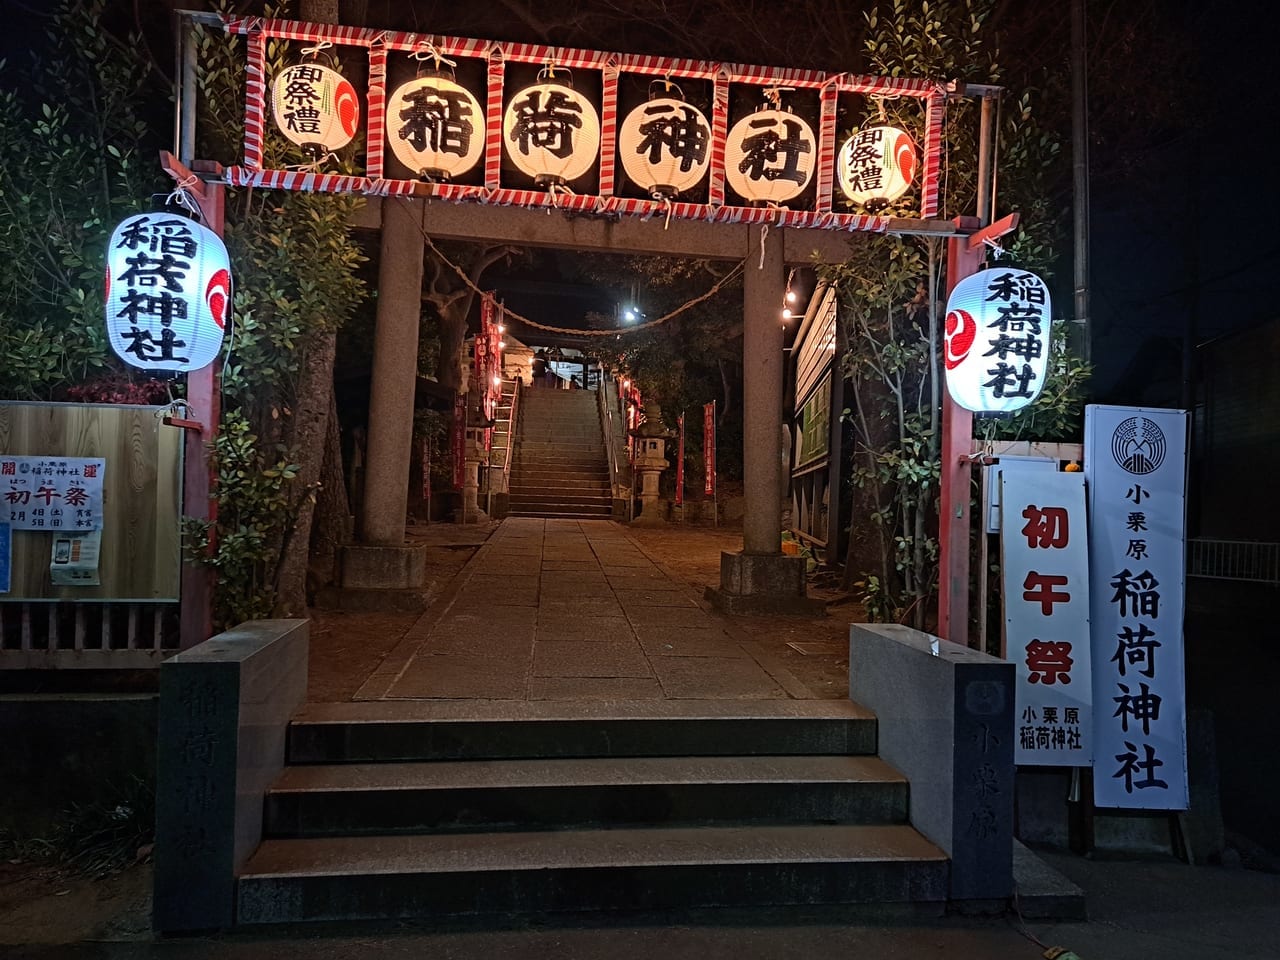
(573,610)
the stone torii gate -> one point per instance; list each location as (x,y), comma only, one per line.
(760,577)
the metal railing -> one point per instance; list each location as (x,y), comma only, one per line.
(615,440)
(1245,560)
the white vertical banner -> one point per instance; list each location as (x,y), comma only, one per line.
(1044,540)
(1136,468)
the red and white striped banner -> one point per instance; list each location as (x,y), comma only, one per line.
(255,96)
(930,187)
(377,109)
(608,129)
(828,86)
(680,465)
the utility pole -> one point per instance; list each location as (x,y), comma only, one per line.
(1080,174)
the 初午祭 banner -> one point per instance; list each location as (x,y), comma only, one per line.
(1044,537)
(1135,467)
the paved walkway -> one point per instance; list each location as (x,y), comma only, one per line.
(573,610)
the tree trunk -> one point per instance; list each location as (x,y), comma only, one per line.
(310,425)
(453,335)
(331,525)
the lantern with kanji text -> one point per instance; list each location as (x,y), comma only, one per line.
(435,127)
(997,340)
(665,145)
(770,156)
(876,166)
(552,132)
(168,293)
(315,107)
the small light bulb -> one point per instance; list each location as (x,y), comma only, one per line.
(502,328)
(502,344)
(786,313)
(626,383)
(497,380)
(791,296)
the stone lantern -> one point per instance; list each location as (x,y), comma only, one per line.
(651,442)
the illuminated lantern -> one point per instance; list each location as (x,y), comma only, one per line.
(315,107)
(552,133)
(168,293)
(997,340)
(435,127)
(770,156)
(665,146)
(876,166)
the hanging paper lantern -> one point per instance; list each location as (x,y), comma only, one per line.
(665,146)
(552,133)
(315,107)
(876,166)
(997,340)
(435,127)
(168,293)
(770,156)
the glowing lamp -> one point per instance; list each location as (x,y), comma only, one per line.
(665,146)
(552,133)
(168,293)
(997,340)
(876,166)
(315,107)
(770,156)
(435,127)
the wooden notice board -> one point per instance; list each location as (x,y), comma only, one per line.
(141,547)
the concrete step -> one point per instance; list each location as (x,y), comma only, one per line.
(557,482)
(386,798)
(561,511)
(347,878)
(561,503)
(380,731)
(536,473)
(561,464)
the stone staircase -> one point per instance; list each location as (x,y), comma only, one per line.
(560,468)
(424,809)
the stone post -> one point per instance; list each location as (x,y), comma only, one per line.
(764,286)
(382,572)
(475,456)
(650,462)
(761,579)
(395,371)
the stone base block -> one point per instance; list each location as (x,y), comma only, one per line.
(383,568)
(763,583)
(652,514)
(946,721)
(764,605)
(372,600)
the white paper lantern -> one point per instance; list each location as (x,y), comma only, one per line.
(168,293)
(770,156)
(665,146)
(876,166)
(997,340)
(315,107)
(552,133)
(435,127)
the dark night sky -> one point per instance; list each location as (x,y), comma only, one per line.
(1190,236)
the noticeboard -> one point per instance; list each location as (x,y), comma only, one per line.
(134,552)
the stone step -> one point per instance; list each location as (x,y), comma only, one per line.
(552,467)
(384,798)
(566,484)
(347,878)
(380,731)
(560,502)
(562,511)
(576,470)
